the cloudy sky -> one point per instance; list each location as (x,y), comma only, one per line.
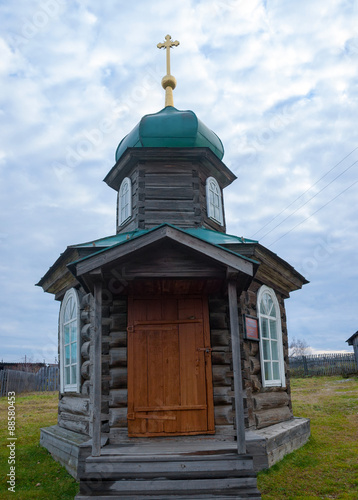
(276,80)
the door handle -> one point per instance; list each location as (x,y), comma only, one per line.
(206,349)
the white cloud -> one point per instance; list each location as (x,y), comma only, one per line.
(276,82)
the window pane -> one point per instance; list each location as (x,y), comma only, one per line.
(272,309)
(67,315)
(274,350)
(266,349)
(72,309)
(276,371)
(73,374)
(67,355)
(268,374)
(67,334)
(73,353)
(73,331)
(264,304)
(67,375)
(264,328)
(273,328)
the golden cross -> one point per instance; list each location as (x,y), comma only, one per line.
(167,45)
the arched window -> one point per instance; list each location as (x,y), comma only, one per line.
(125,201)
(69,342)
(271,348)
(213,200)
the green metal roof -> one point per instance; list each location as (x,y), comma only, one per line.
(171,128)
(110,241)
(209,236)
(217,238)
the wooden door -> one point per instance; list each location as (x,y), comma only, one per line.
(169,367)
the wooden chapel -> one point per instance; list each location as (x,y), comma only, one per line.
(172,334)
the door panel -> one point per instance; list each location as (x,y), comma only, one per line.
(169,367)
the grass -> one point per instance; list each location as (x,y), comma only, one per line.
(326,467)
(38,476)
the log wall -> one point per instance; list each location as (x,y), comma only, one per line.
(117,371)
(221,359)
(74,409)
(264,405)
(162,192)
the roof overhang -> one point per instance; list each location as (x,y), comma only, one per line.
(274,271)
(352,338)
(91,268)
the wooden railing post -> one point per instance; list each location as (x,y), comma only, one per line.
(97,370)
(236,361)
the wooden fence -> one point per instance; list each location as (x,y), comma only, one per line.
(46,379)
(323,364)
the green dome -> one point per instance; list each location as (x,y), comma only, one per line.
(171,128)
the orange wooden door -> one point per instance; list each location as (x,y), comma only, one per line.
(169,367)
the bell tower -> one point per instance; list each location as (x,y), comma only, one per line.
(168,169)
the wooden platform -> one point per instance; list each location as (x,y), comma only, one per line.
(176,467)
(170,468)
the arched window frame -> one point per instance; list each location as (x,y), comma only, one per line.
(213,194)
(124,201)
(71,297)
(267,348)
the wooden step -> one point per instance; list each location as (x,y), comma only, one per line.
(206,496)
(148,475)
(235,496)
(232,487)
(126,467)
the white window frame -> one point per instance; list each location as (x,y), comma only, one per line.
(215,211)
(281,381)
(125,185)
(70,294)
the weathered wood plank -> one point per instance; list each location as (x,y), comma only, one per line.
(97,369)
(255,365)
(78,406)
(184,486)
(222,375)
(86,332)
(236,358)
(127,467)
(269,400)
(85,370)
(221,357)
(85,350)
(118,378)
(224,415)
(271,417)
(220,338)
(118,398)
(167,193)
(118,339)
(223,395)
(80,426)
(118,357)
(118,417)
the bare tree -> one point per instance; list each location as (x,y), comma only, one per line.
(299,347)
